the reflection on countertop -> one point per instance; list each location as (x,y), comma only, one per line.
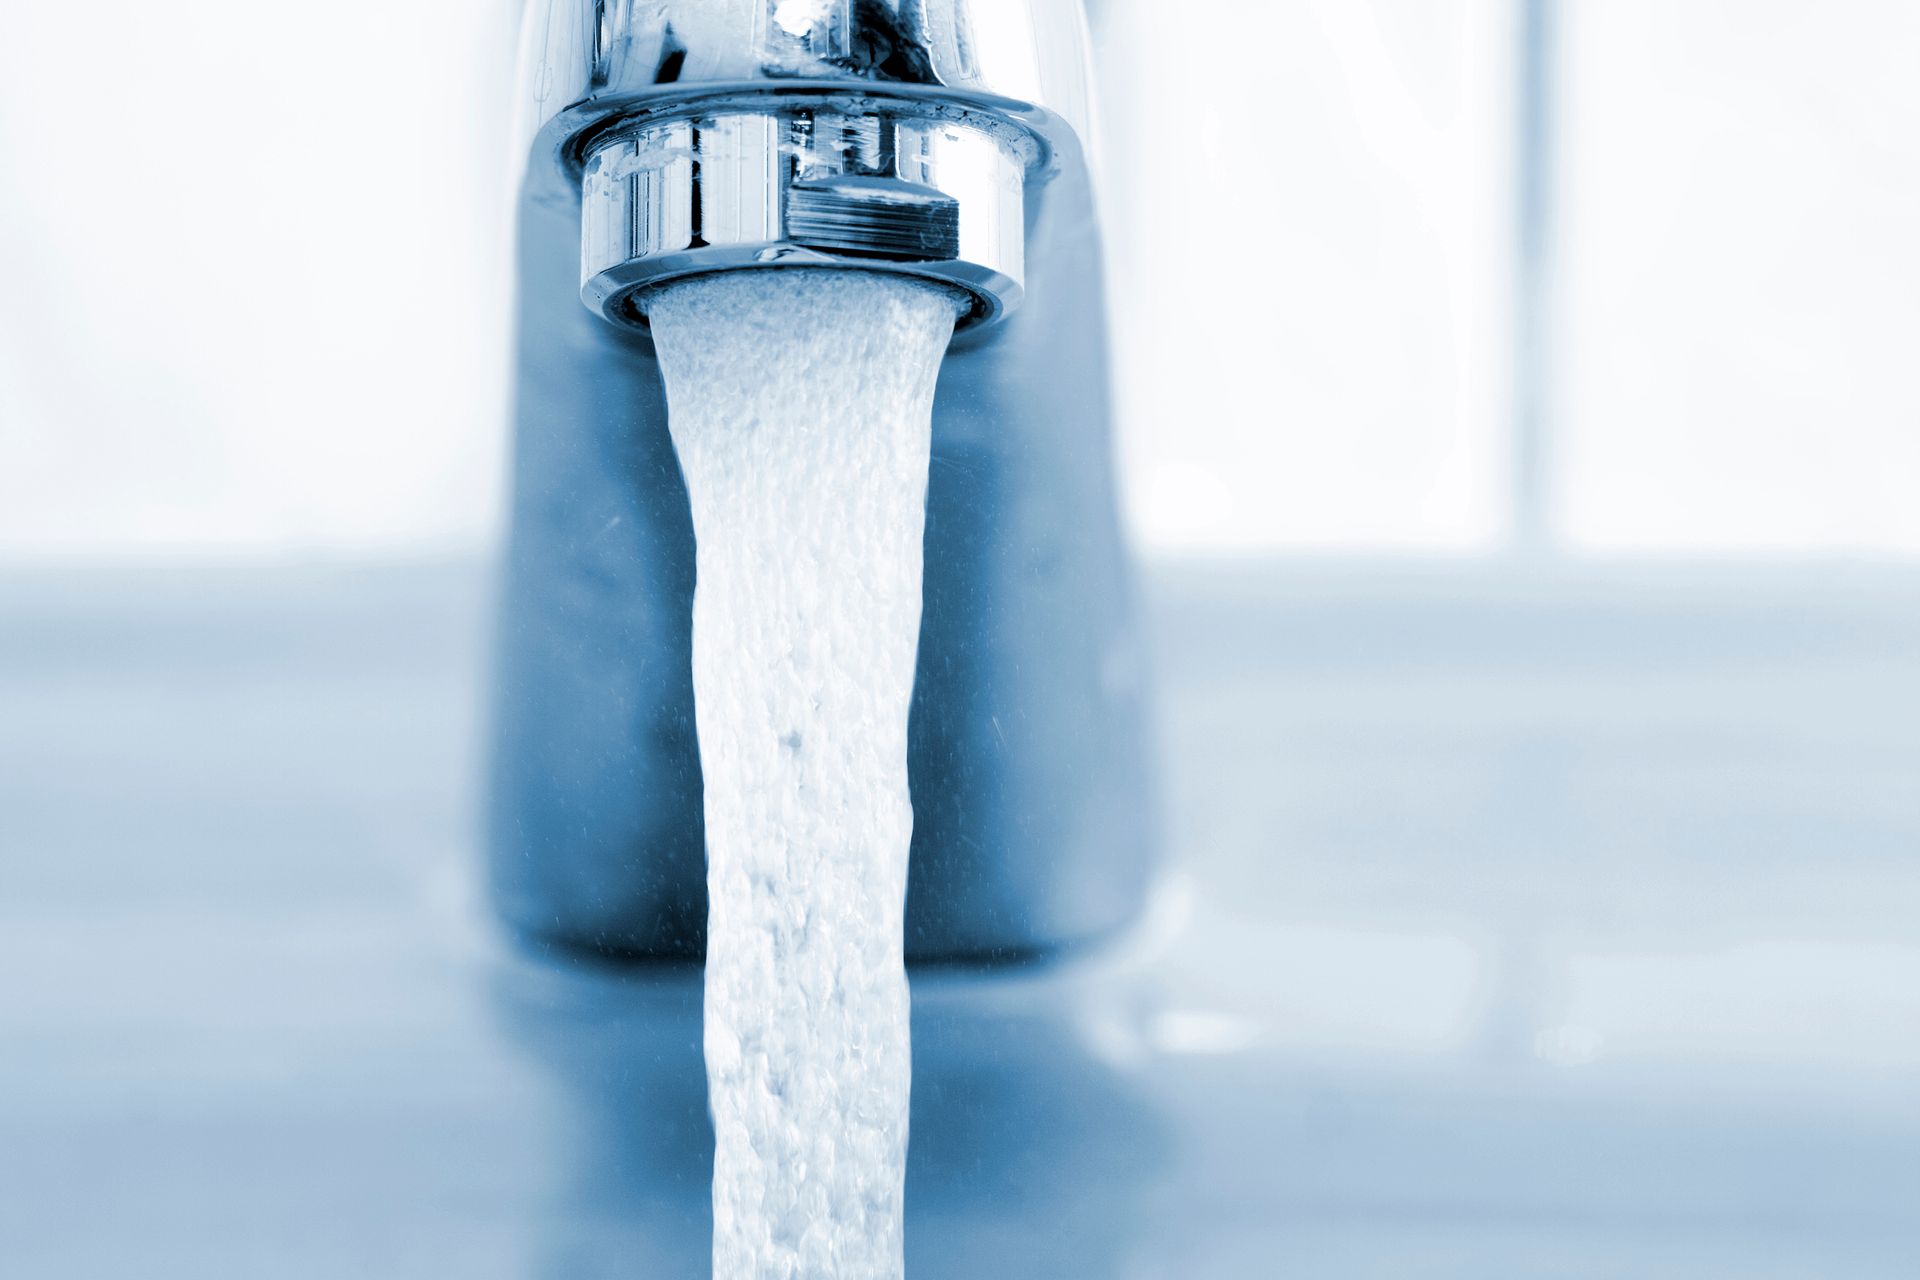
(1519,923)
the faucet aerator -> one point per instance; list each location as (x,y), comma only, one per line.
(921,187)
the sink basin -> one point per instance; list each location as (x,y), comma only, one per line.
(1515,924)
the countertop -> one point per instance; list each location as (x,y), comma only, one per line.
(1517,922)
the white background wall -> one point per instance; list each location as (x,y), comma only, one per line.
(251,266)
(252,273)
(1741,352)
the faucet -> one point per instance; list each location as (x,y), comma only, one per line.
(943,139)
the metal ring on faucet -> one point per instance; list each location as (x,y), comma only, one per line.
(799,182)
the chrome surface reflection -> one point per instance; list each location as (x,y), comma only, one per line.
(868,186)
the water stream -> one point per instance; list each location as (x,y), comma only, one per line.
(801,407)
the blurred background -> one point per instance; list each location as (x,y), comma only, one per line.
(1665,306)
(1528,522)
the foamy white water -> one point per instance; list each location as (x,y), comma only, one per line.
(801,405)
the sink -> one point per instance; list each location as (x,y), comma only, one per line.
(1519,922)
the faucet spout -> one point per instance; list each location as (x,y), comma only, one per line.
(943,139)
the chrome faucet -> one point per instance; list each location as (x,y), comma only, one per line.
(940,138)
